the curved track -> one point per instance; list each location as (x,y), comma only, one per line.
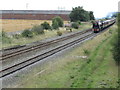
(28,49)
(9,70)
(37,58)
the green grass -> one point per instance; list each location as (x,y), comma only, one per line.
(98,58)
(98,70)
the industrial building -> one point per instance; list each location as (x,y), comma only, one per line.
(34,14)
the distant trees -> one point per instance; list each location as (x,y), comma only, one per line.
(79,14)
(114,15)
(91,15)
(111,15)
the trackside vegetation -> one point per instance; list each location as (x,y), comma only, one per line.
(75,25)
(46,25)
(55,24)
(27,33)
(39,32)
(116,43)
(77,15)
(59,20)
(89,66)
(5,38)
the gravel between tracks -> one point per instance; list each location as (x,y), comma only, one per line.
(23,57)
(36,43)
(13,80)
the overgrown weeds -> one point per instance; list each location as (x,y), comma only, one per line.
(37,29)
(86,52)
(59,33)
(5,39)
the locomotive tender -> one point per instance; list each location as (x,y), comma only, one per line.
(100,25)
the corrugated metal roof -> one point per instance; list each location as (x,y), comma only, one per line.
(37,11)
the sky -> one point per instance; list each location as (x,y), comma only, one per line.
(100,7)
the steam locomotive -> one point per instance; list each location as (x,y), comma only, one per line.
(100,25)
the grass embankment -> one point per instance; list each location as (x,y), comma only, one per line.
(11,41)
(98,70)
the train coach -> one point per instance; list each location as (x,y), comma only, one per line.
(100,25)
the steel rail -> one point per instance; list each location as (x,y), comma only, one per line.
(37,58)
(18,52)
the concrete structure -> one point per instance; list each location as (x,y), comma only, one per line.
(34,14)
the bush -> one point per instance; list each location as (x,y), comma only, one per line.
(55,24)
(38,30)
(4,34)
(59,20)
(87,52)
(5,38)
(75,25)
(17,36)
(59,33)
(46,25)
(116,50)
(70,29)
(89,60)
(110,31)
(79,22)
(71,77)
(27,33)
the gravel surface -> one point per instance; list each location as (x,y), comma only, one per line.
(14,80)
(19,47)
(23,57)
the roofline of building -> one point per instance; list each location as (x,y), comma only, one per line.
(35,11)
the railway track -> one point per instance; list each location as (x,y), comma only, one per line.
(9,70)
(19,66)
(28,49)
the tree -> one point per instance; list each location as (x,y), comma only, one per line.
(46,25)
(55,24)
(59,20)
(91,15)
(86,16)
(79,14)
